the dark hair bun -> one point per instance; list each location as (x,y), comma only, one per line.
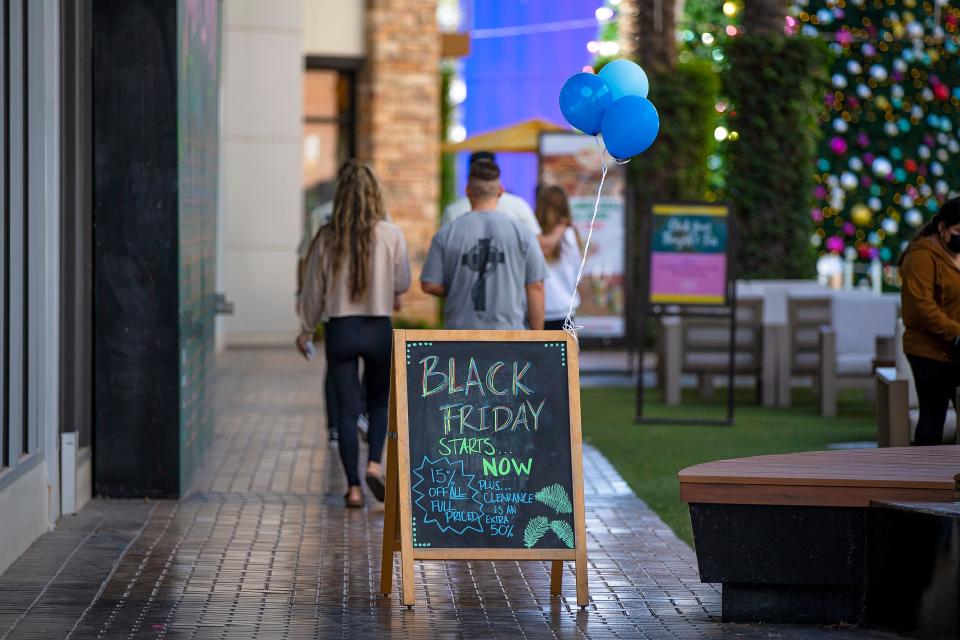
(482,155)
(486,170)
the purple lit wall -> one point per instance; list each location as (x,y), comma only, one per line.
(515,77)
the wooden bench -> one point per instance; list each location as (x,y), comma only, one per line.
(787,534)
(851,478)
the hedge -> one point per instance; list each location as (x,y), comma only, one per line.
(775,85)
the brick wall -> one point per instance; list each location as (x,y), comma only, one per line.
(399,124)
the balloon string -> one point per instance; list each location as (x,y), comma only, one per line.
(568,324)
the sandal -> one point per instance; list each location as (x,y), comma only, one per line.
(352,503)
(375,483)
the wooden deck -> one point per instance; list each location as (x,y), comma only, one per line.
(827,478)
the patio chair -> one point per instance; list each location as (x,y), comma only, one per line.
(897,406)
(776,342)
(806,314)
(849,347)
(700,346)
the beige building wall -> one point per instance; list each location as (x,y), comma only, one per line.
(334,28)
(398,129)
(261,160)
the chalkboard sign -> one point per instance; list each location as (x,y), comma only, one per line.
(689,255)
(486,430)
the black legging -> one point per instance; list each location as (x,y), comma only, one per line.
(330,399)
(936,388)
(347,340)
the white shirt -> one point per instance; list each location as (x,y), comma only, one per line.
(514,207)
(561,279)
(318,217)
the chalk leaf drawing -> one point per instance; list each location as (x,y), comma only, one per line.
(535,530)
(555,496)
(564,531)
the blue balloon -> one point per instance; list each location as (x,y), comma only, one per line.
(584,99)
(630,126)
(625,78)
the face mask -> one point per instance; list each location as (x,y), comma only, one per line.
(954,243)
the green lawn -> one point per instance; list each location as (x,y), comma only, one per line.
(649,456)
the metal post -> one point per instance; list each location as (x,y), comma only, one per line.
(641,337)
(731,374)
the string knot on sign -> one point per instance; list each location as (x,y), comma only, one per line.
(568,324)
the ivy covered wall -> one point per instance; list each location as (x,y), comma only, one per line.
(774,85)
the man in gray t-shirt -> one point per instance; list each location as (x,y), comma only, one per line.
(488,268)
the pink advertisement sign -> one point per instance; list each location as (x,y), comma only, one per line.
(685,277)
(688,259)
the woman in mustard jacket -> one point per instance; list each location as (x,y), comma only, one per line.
(930,304)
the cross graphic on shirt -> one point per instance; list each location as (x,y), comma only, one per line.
(482,258)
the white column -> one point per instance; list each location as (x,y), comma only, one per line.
(45,184)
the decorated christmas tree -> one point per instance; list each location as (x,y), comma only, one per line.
(891,114)
(891,118)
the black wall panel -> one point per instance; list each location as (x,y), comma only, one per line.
(135,210)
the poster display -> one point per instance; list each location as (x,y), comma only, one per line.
(688,255)
(572,161)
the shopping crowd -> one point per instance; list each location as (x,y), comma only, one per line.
(495,263)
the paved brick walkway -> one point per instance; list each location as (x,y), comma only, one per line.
(262,547)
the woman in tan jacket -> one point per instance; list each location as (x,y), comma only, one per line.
(930,303)
(354,275)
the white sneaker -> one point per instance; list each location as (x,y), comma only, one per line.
(363,426)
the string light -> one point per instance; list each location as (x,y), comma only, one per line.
(604,14)
(609,49)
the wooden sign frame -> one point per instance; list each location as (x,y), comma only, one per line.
(397,519)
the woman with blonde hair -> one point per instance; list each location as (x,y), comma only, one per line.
(355,273)
(561,247)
